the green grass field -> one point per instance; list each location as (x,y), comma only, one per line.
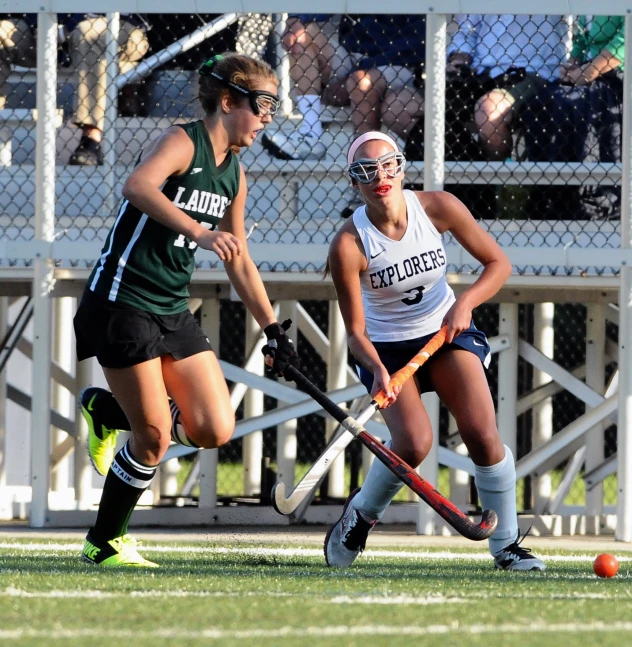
(283,594)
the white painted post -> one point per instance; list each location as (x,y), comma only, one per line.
(508,376)
(252,444)
(624,438)
(209,458)
(459,479)
(283,65)
(43,271)
(286,431)
(434,176)
(111,110)
(595,379)
(62,354)
(434,102)
(4,316)
(429,469)
(81,461)
(543,340)
(336,379)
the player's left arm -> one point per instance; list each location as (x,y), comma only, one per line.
(241,270)
(448,213)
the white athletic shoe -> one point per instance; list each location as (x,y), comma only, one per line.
(516,558)
(346,539)
(294,146)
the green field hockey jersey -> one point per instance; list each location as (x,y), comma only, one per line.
(148,266)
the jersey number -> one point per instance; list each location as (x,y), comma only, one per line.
(417,294)
(180,240)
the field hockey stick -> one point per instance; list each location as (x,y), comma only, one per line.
(448,511)
(318,470)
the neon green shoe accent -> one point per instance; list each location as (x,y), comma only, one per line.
(100,450)
(120,551)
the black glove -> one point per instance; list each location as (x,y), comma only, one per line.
(279,347)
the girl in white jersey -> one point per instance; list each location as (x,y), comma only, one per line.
(388,265)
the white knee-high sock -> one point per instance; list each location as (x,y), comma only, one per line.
(310,107)
(378,490)
(496,486)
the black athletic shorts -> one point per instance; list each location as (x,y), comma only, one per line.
(120,336)
(395,355)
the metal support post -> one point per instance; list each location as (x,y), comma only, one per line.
(624,438)
(434,175)
(336,379)
(111,110)
(209,458)
(434,102)
(543,335)
(508,376)
(43,271)
(81,461)
(459,479)
(286,431)
(62,355)
(282,64)
(4,504)
(595,379)
(252,444)
(429,469)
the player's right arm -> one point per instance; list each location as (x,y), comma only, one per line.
(171,155)
(346,261)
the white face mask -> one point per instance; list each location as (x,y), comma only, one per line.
(366,170)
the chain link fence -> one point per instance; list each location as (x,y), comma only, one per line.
(532,145)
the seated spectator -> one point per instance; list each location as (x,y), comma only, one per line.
(85,36)
(580,119)
(501,60)
(354,65)
(517,55)
(495,63)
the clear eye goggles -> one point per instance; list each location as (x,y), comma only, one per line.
(262,103)
(366,170)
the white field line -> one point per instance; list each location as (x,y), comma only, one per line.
(431,598)
(293,552)
(317,632)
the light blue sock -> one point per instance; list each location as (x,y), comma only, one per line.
(378,490)
(496,486)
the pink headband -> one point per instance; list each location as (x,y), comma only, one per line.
(367,137)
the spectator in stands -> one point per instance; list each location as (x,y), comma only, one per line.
(501,60)
(356,64)
(580,118)
(84,35)
(518,54)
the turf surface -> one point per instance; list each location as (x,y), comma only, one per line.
(283,594)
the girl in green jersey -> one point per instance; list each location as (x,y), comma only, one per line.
(187,191)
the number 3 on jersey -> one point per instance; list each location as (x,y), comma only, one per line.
(180,240)
(416,295)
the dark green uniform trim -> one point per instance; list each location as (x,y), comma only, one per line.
(148,266)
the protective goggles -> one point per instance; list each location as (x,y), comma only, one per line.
(366,170)
(262,103)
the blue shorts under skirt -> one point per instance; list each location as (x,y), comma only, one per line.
(396,354)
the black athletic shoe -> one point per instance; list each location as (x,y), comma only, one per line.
(517,558)
(346,539)
(88,153)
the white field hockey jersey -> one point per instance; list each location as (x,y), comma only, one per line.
(404,288)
